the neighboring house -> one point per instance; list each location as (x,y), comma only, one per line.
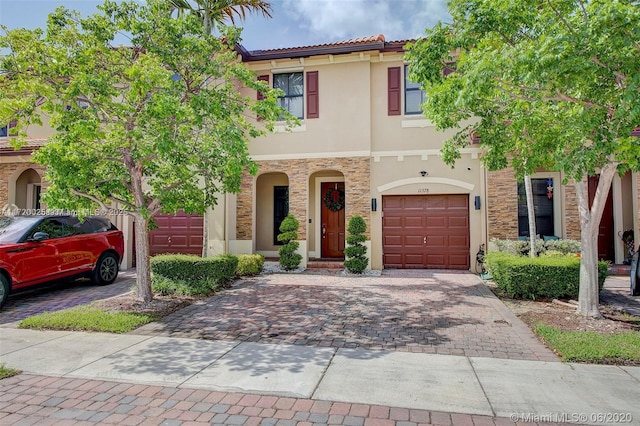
(364,148)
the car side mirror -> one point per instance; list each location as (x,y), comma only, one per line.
(39,236)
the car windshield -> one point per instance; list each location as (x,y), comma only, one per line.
(12,228)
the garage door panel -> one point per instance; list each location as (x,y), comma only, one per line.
(413,222)
(436,261)
(458,261)
(435,202)
(458,222)
(458,202)
(412,204)
(436,241)
(442,219)
(413,240)
(414,259)
(436,221)
(458,241)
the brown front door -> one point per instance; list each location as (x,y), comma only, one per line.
(606,238)
(332,226)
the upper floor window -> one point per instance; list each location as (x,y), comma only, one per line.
(4,131)
(414,96)
(292,84)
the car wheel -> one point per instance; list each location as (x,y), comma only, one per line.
(106,270)
(4,289)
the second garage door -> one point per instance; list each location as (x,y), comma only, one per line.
(426,231)
(180,233)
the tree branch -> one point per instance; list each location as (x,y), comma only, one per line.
(102,205)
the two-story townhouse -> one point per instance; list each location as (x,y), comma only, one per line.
(362,148)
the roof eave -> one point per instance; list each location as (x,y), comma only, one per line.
(313,51)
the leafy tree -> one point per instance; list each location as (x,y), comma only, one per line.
(552,84)
(141,127)
(356,259)
(289,257)
(214,12)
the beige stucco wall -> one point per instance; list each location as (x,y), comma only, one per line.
(400,175)
(344,98)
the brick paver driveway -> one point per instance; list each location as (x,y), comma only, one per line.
(418,311)
(61,296)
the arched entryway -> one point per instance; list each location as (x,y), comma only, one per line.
(26,190)
(271,207)
(328,203)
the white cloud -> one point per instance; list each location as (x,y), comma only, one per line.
(334,20)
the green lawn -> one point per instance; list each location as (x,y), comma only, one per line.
(7,372)
(587,346)
(86,318)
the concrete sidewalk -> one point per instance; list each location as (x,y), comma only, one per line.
(442,383)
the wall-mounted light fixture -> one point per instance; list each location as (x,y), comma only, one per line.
(476,202)
(374,204)
(423,173)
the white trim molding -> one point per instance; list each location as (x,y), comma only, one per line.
(424,180)
(308,155)
(423,153)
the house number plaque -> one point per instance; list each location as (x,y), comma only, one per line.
(423,190)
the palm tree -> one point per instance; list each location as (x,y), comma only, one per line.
(214,12)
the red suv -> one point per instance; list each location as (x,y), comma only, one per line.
(38,249)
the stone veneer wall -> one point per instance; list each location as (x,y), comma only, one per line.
(356,173)
(571,213)
(502,204)
(8,169)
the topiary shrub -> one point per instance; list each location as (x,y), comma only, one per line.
(289,257)
(544,277)
(249,265)
(188,274)
(356,260)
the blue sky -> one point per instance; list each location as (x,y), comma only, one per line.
(294,23)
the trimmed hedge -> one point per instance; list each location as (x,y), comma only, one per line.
(249,264)
(194,271)
(541,277)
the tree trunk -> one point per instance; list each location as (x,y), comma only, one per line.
(143,269)
(589,294)
(531,215)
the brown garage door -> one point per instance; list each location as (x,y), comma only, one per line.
(426,231)
(180,233)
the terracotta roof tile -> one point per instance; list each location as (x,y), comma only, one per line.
(352,41)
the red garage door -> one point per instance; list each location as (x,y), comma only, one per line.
(426,231)
(180,233)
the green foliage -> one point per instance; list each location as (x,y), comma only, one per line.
(539,278)
(356,260)
(162,125)
(526,69)
(7,372)
(522,247)
(249,264)
(186,274)
(86,318)
(289,257)
(586,346)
